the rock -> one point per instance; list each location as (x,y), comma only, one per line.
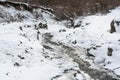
(21,28)
(70,23)
(115,26)
(117,22)
(47,47)
(21,57)
(41,26)
(112,27)
(38,35)
(16,64)
(78,24)
(74,42)
(62,30)
(99,59)
(110,50)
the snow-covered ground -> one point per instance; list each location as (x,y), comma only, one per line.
(23,55)
(94,34)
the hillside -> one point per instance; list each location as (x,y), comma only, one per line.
(35,46)
(74,8)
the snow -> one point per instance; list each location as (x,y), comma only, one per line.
(34,66)
(23,57)
(39,72)
(95,32)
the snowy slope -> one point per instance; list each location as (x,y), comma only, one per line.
(23,57)
(94,34)
(22,54)
(29,51)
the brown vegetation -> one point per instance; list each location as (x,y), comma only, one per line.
(76,7)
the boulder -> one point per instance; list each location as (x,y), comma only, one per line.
(115,26)
(112,27)
(110,50)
